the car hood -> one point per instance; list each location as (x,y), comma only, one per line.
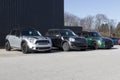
(106,38)
(74,37)
(95,38)
(36,37)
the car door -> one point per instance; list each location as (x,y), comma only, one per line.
(17,39)
(57,38)
(11,38)
(54,35)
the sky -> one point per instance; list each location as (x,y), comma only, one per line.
(83,8)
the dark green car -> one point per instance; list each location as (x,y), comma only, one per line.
(95,40)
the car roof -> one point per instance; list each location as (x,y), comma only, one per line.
(88,32)
(57,29)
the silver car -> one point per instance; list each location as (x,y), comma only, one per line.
(27,40)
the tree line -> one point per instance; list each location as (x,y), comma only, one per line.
(100,23)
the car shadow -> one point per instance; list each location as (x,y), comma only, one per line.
(56,50)
(53,50)
(107,49)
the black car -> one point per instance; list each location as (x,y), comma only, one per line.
(115,40)
(66,39)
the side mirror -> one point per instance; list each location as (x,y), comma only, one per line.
(57,35)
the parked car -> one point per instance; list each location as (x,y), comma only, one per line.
(66,39)
(27,40)
(115,40)
(95,40)
(119,41)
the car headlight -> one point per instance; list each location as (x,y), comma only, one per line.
(90,39)
(99,42)
(71,39)
(31,40)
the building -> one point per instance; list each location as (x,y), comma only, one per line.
(40,14)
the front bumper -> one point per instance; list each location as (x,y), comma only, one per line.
(106,44)
(109,45)
(36,47)
(78,45)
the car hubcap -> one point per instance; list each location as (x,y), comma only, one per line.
(66,46)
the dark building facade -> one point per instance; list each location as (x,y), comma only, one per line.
(40,14)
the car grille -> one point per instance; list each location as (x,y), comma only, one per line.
(42,42)
(79,44)
(80,40)
(39,48)
(108,42)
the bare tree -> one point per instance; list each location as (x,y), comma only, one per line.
(111,26)
(99,23)
(104,29)
(82,23)
(89,22)
(71,20)
(117,30)
(99,20)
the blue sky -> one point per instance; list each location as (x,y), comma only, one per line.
(83,8)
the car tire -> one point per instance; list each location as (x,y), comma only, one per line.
(108,47)
(66,46)
(7,46)
(83,49)
(94,45)
(25,48)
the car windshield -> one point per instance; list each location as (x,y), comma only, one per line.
(84,34)
(30,32)
(94,34)
(67,33)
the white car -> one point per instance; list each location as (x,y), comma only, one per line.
(27,40)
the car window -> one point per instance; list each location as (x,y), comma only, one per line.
(30,32)
(17,33)
(13,32)
(55,33)
(49,33)
(94,34)
(85,35)
(67,33)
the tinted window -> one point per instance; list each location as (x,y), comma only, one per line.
(94,34)
(17,33)
(56,33)
(49,33)
(30,32)
(13,32)
(53,33)
(67,33)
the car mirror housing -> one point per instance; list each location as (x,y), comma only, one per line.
(57,35)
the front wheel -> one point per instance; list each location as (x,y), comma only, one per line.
(94,45)
(25,48)
(7,46)
(83,49)
(66,46)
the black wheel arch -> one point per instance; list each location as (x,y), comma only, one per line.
(6,40)
(64,42)
(23,41)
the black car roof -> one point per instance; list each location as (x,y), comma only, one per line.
(57,29)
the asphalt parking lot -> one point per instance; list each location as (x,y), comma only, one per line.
(99,64)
